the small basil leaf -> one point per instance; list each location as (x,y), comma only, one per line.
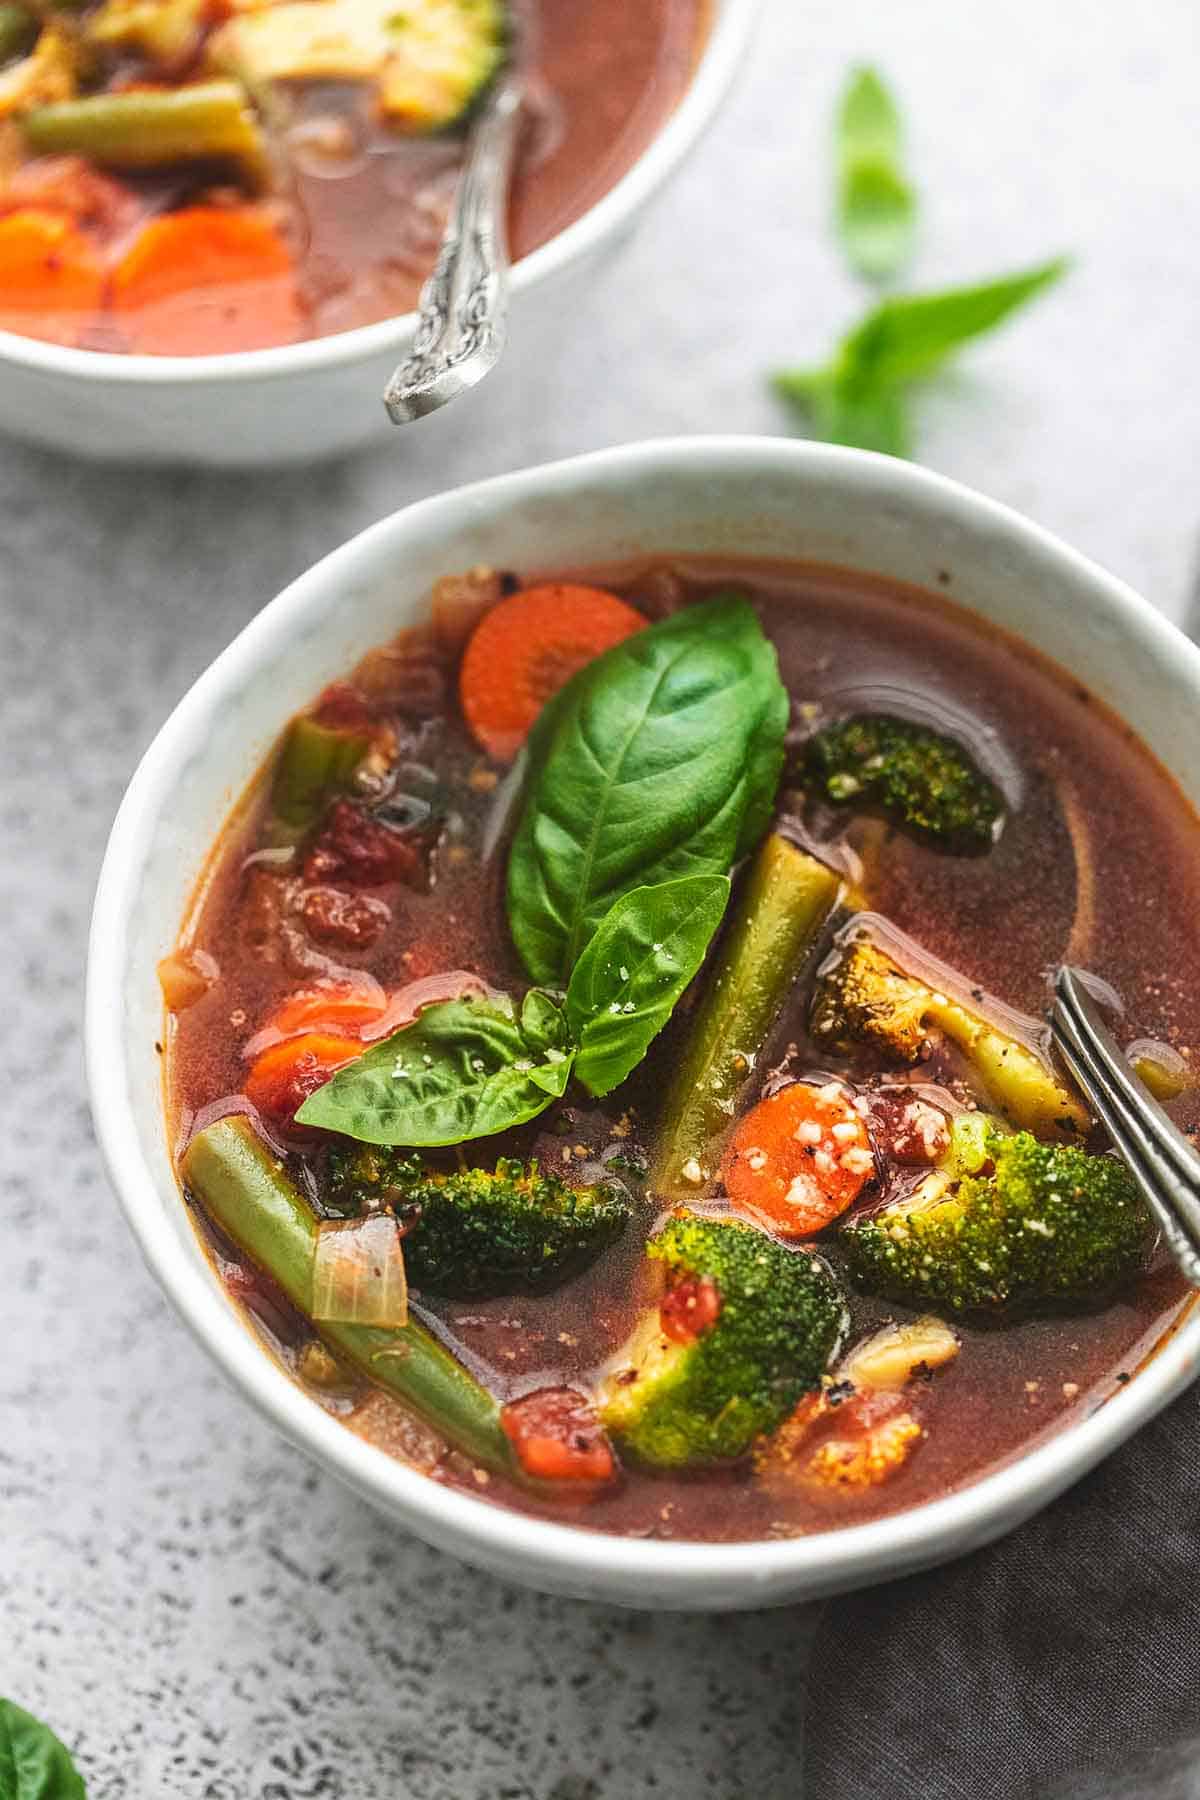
(658,760)
(463,1069)
(34,1765)
(628,980)
(876,207)
(860,398)
(543,1022)
(908,336)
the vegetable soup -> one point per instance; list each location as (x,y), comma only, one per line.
(606,1061)
(184,177)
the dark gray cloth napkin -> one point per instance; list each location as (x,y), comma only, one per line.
(1059,1664)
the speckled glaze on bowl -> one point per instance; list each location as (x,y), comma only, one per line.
(324,397)
(715,496)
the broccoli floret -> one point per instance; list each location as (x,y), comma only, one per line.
(865,999)
(481,1232)
(745,1328)
(919,777)
(1007,1224)
(431,60)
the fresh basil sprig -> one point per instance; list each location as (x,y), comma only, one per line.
(876,207)
(625,985)
(470,1068)
(658,760)
(463,1069)
(650,773)
(861,396)
(34,1765)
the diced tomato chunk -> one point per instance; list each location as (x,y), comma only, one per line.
(842,1440)
(347,921)
(907,1129)
(355,848)
(343,707)
(556,1437)
(689,1309)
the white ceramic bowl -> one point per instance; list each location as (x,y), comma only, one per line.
(324,397)
(721,496)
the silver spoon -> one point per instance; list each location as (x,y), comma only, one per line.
(464,304)
(1160,1159)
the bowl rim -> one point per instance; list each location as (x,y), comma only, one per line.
(595,1562)
(722,54)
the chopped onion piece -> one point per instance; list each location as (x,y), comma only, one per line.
(404,1005)
(1160,1068)
(358,1274)
(185,976)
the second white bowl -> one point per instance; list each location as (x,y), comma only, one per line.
(323,397)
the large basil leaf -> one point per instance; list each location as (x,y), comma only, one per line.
(626,983)
(463,1069)
(33,1764)
(657,761)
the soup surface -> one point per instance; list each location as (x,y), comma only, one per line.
(183,177)
(397,875)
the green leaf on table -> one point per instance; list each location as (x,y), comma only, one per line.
(641,958)
(658,760)
(876,207)
(868,120)
(463,1069)
(34,1765)
(911,335)
(859,398)
(866,417)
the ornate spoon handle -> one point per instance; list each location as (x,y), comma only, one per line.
(464,303)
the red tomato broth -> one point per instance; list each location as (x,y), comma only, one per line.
(353,211)
(835,633)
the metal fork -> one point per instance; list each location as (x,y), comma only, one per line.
(1160,1159)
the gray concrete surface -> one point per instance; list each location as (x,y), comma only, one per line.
(200,1612)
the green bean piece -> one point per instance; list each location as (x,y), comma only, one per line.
(314,763)
(786,900)
(18,29)
(245,1191)
(146,129)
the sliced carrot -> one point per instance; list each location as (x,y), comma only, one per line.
(799,1159)
(555,1436)
(526,648)
(283,1077)
(206,280)
(340,1007)
(51,281)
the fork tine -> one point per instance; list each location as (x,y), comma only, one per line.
(1113,1069)
(1161,1161)
(1153,1176)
